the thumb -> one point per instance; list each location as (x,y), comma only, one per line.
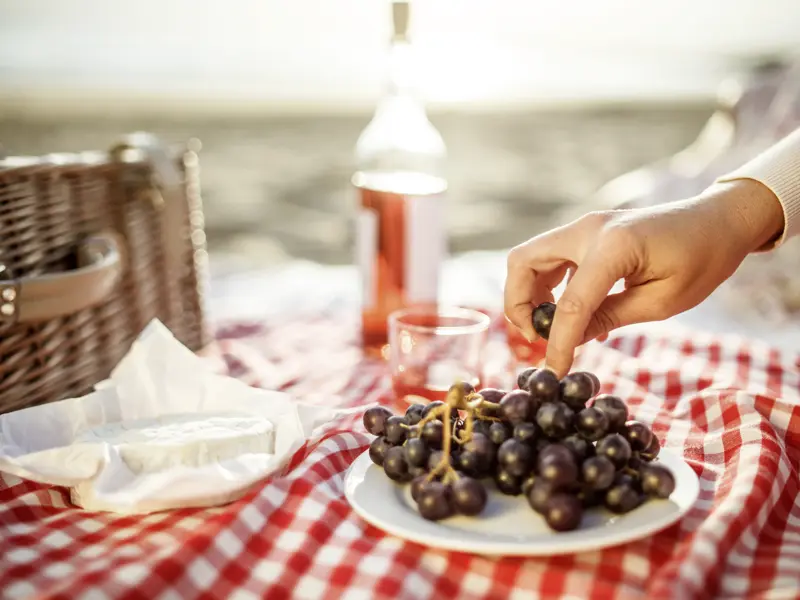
(639,304)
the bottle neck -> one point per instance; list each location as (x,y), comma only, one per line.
(400,74)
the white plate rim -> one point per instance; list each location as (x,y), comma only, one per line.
(687,490)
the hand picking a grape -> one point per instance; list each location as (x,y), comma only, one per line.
(540,440)
(670,258)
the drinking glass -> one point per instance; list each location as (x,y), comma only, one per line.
(430,348)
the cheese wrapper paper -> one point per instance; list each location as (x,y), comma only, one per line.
(162,432)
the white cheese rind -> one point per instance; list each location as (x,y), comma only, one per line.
(152,445)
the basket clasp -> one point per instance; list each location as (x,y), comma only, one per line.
(9,292)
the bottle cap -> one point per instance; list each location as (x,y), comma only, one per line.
(400,17)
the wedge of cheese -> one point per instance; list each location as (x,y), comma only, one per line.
(192,440)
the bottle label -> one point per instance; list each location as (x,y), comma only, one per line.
(366,254)
(425,247)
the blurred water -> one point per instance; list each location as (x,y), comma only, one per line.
(278,188)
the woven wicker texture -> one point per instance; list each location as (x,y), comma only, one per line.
(47,207)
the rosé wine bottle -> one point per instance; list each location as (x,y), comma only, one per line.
(400,231)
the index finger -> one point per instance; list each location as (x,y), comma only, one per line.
(529,282)
(587,289)
(538,265)
(518,293)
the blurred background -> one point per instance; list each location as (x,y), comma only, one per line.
(541,104)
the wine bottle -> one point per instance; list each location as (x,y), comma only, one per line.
(399,179)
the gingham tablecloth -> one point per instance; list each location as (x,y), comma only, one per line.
(730,406)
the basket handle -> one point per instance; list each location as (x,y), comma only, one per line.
(43,297)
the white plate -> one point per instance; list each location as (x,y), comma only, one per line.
(508,526)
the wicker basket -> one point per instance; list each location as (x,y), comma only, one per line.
(94,246)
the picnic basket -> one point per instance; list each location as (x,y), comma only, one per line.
(93,246)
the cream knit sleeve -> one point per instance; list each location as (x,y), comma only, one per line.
(778,168)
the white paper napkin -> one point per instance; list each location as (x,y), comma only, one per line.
(159,377)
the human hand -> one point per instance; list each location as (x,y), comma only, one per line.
(671,257)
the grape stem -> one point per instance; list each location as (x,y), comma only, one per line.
(473,405)
(480,405)
(445,467)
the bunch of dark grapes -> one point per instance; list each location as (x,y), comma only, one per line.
(558,443)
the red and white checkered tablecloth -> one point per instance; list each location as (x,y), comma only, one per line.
(731,406)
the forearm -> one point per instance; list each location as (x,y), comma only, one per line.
(778,170)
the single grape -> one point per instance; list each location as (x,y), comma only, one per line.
(622,498)
(525,432)
(413,432)
(544,386)
(563,512)
(652,450)
(635,462)
(377,450)
(615,448)
(499,432)
(490,408)
(395,465)
(431,406)
(576,389)
(469,496)
(417,452)
(539,494)
(375,418)
(507,483)
(492,395)
(555,419)
(638,435)
(595,383)
(591,423)
(516,407)
(552,451)
(466,387)
(416,471)
(630,479)
(598,472)
(527,483)
(484,450)
(468,463)
(395,430)
(515,457)
(414,413)
(435,459)
(524,375)
(434,501)
(432,434)
(481,427)
(417,484)
(559,471)
(542,318)
(614,409)
(657,481)
(580,448)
